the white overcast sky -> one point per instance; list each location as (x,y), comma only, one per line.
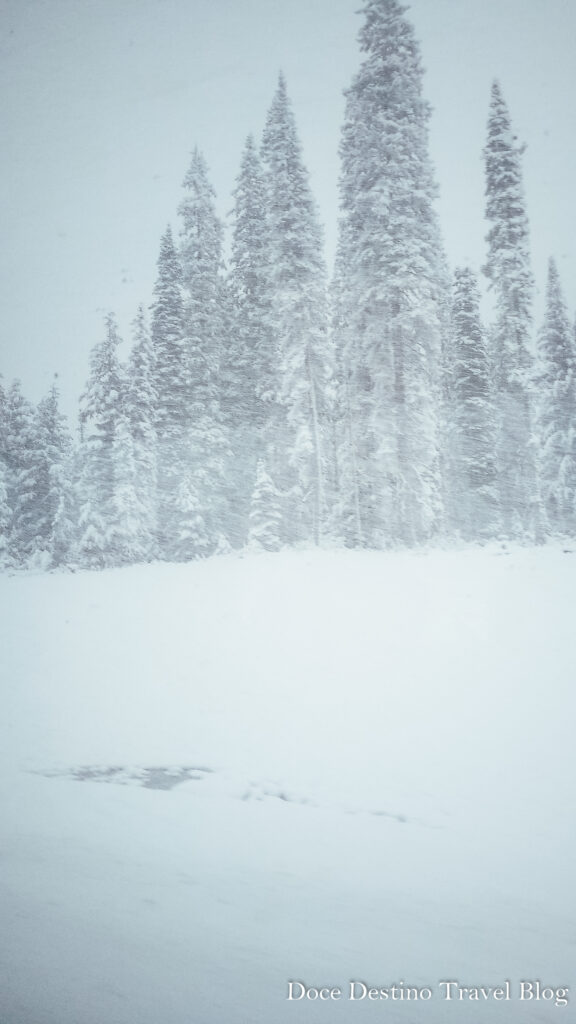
(103,101)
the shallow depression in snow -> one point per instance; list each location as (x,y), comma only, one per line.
(155,777)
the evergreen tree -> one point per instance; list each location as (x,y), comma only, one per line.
(252,352)
(102,405)
(510,277)
(65,523)
(193,539)
(265,513)
(473,486)
(3,419)
(5,510)
(557,410)
(168,361)
(20,450)
(129,530)
(5,519)
(205,325)
(169,367)
(202,278)
(389,316)
(52,445)
(141,411)
(297,456)
(250,358)
(91,549)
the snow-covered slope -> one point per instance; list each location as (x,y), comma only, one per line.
(373,764)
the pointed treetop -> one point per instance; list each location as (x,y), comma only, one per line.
(250,156)
(379,12)
(384,22)
(293,216)
(199,195)
(111,329)
(555,338)
(202,232)
(167,239)
(497,90)
(168,263)
(54,393)
(281,106)
(500,134)
(249,190)
(140,322)
(105,383)
(387,89)
(281,149)
(197,177)
(508,238)
(553,275)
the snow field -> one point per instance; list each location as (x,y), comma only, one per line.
(388,747)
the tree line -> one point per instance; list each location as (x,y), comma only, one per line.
(263,406)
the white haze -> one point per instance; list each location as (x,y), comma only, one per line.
(103,102)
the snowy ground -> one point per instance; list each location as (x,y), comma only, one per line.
(324,767)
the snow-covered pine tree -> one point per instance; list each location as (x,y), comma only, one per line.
(473,493)
(205,326)
(389,316)
(556,404)
(193,538)
(252,354)
(102,405)
(5,510)
(51,457)
(20,450)
(5,517)
(128,532)
(250,357)
(65,524)
(3,418)
(297,459)
(91,547)
(265,513)
(170,385)
(508,270)
(141,411)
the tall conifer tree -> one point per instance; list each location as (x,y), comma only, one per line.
(5,510)
(250,357)
(20,444)
(205,325)
(51,462)
(129,529)
(3,418)
(557,410)
(265,513)
(510,276)
(391,302)
(169,366)
(5,518)
(102,406)
(299,319)
(473,493)
(141,406)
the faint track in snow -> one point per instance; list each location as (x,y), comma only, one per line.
(167,777)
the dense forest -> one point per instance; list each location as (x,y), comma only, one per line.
(267,404)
